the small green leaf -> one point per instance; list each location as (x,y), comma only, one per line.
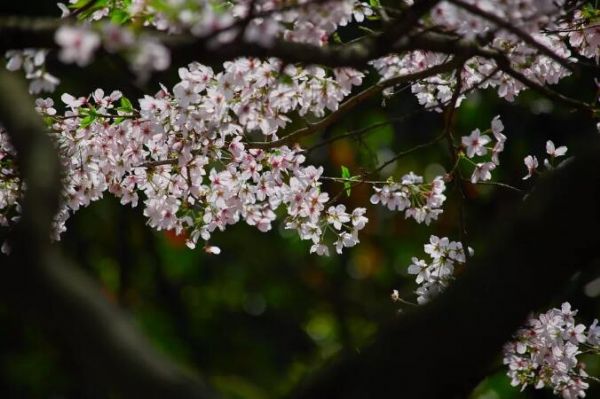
(346,175)
(119,17)
(336,38)
(88,120)
(345,172)
(125,105)
(79,4)
(285,79)
(375,3)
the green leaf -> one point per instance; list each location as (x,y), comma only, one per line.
(347,184)
(119,17)
(345,172)
(79,4)
(125,105)
(336,38)
(88,120)
(285,79)
(375,3)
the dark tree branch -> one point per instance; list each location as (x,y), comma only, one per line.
(19,32)
(27,32)
(442,349)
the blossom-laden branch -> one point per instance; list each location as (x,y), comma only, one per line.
(401,35)
(17,32)
(356,100)
(215,181)
(544,353)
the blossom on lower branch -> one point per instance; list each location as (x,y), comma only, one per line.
(532,164)
(435,276)
(479,144)
(544,352)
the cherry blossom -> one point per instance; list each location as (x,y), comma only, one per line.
(194,124)
(553,151)
(32,61)
(483,172)
(475,143)
(544,353)
(77,44)
(531,163)
(435,276)
(418,200)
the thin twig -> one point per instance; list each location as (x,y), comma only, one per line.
(497,184)
(449,117)
(406,152)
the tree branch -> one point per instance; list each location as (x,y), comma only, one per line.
(442,349)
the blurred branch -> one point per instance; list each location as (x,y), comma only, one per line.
(365,177)
(51,291)
(442,349)
(398,36)
(22,32)
(18,32)
(508,26)
(404,153)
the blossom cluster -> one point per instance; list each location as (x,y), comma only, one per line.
(533,18)
(434,277)
(32,62)
(584,33)
(299,21)
(144,53)
(184,152)
(10,184)
(307,22)
(314,23)
(431,92)
(544,352)
(420,201)
(532,164)
(476,144)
